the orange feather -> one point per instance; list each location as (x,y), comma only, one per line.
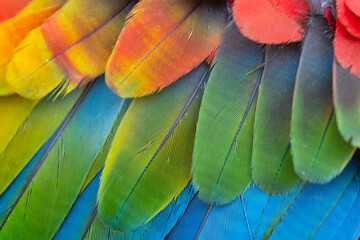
(71,47)
(14,30)
(9,8)
(162,41)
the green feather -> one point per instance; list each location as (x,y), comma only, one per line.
(223,144)
(150,159)
(272,167)
(35,130)
(319,151)
(60,176)
(14,110)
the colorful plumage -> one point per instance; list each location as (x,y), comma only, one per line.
(179,119)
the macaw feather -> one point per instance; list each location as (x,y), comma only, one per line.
(347,42)
(272,167)
(9,8)
(322,211)
(223,143)
(35,127)
(76,223)
(66,163)
(162,41)
(157,228)
(190,223)
(16,109)
(318,149)
(354,6)
(70,48)
(13,30)
(271,21)
(151,154)
(347,103)
(348,18)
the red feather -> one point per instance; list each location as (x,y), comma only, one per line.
(354,5)
(294,9)
(271,21)
(347,49)
(9,8)
(348,18)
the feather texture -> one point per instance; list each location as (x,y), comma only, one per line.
(162,41)
(222,151)
(272,168)
(71,47)
(151,154)
(32,132)
(349,19)
(13,30)
(320,210)
(157,228)
(65,163)
(319,151)
(271,21)
(354,6)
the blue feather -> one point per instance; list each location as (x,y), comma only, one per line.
(350,227)
(157,228)
(11,194)
(312,208)
(93,115)
(74,226)
(312,211)
(162,224)
(191,221)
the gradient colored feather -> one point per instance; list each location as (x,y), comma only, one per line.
(162,41)
(319,151)
(347,103)
(272,167)
(9,8)
(321,209)
(99,162)
(14,30)
(315,204)
(347,49)
(157,228)
(223,144)
(65,164)
(189,224)
(9,197)
(151,155)
(271,21)
(76,223)
(70,48)
(33,131)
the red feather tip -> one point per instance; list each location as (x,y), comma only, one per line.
(271,21)
(347,37)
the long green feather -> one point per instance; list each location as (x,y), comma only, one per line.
(319,151)
(223,144)
(150,159)
(60,176)
(272,167)
(39,125)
